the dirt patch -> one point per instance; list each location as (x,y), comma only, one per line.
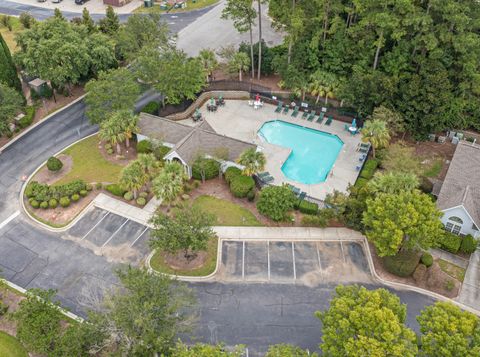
(12,300)
(433,279)
(50,177)
(178,261)
(126,154)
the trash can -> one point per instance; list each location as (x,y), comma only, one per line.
(148,3)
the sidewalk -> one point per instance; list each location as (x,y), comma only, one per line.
(449,257)
(470,291)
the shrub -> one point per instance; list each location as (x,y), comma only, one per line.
(209,167)
(115,189)
(160,152)
(151,108)
(196,183)
(34,203)
(43,192)
(427,259)
(83,193)
(361,182)
(26,20)
(144,147)
(75,197)
(241,185)
(308,207)
(468,245)
(141,201)
(98,185)
(64,202)
(44,205)
(110,152)
(3,308)
(53,203)
(128,196)
(28,118)
(107,146)
(54,164)
(403,263)
(369,169)
(450,242)
(231,172)
(251,195)
(143,194)
(449,285)
(314,221)
(275,202)
(88,187)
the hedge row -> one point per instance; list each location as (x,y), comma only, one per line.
(242,185)
(45,196)
(450,242)
(369,169)
(308,207)
(28,118)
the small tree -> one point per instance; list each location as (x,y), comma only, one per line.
(407,220)
(239,63)
(275,202)
(361,322)
(149,164)
(110,24)
(26,19)
(376,133)
(402,159)
(323,84)
(87,21)
(208,60)
(448,331)
(253,161)
(8,71)
(169,182)
(111,130)
(11,102)
(133,177)
(284,350)
(189,230)
(394,120)
(393,182)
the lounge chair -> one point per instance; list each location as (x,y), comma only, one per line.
(267,179)
(364,145)
(305,114)
(263,174)
(358,168)
(361,158)
(302,196)
(311,116)
(279,107)
(295,112)
(294,189)
(364,150)
(320,117)
(285,109)
(329,120)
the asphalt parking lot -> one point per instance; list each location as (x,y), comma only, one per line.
(307,262)
(117,238)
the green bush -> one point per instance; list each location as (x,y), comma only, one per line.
(314,221)
(450,242)
(161,151)
(28,118)
(361,182)
(83,193)
(308,207)
(427,259)
(231,172)
(89,187)
(54,164)
(75,197)
(128,196)
(109,151)
(98,185)
(64,202)
(403,263)
(34,203)
(115,189)
(369,169)
(3,308)
(468,245)
(143,194)
(53,203)
(251,195)
(143,147)
(275,202)
(43,192)
(141,201)
(209,167)
(241,185)
(44,205)
(107,146)
(151,108)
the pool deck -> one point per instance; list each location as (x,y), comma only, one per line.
(238,120)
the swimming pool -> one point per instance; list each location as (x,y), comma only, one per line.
(313,152)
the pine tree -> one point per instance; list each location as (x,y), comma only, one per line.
(8,71)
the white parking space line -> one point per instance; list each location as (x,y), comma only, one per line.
(114,233)
(268,259)
(343,252)
(243,259)
(9,219)
(96,224)
(319,261)
(293,262)
(141,234)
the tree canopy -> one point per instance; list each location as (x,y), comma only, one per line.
(8,71)
(11,102)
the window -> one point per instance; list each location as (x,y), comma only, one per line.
(455,219)
(453,228)
(474,227)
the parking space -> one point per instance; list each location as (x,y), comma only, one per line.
(108,234)
(305,262)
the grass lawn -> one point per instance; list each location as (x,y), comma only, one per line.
(157,263)
(227,213)
(451,269)
(10,347)
(191,5)
(89,164)
(9,36)
(434,169)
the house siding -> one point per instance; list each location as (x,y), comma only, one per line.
(461,213)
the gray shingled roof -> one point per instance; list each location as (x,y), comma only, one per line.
(190,141)
(462,183)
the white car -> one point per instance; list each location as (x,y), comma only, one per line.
(56,1)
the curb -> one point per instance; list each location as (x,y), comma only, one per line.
(25,292)
(49,116)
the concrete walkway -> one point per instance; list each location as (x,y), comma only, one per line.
(470,292)
(449,257)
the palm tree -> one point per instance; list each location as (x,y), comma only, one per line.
(148,163)
(209,61)
(133,177)
(376,133)
(169,182)
(129,124)
(323,84)
(111,131)
(239,63)
(253,161)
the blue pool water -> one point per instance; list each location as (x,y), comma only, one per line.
(313,152)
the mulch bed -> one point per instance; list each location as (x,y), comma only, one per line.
(44,175)
(178,261)
(126,155)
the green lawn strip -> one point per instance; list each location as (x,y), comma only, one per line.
(158,263)
(89,164)
(453,270)
(191,5)
(11,347)
(434,169)
(227,213)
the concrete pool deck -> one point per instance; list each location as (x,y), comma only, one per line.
(240,121)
